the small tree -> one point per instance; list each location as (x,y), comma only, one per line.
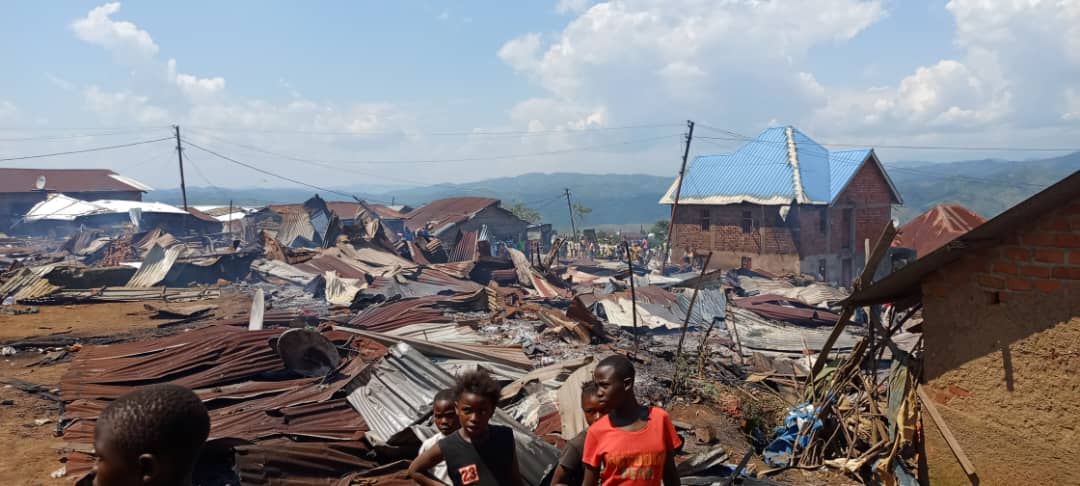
(580,210)
(525,213)
(660,229)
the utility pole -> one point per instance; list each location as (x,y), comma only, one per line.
(678,192)
(570,208)
(180,157)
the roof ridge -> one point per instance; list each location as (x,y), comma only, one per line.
(793,160)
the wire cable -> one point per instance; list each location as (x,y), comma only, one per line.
(83,151)
(469,133)
(71,137)
(271,174)
(439,161)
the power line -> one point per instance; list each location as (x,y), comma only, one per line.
(74,129)
(469,133)
(83,151)
(146,161)
(440,161)
(71,137)
(271,174)
(909,147)
(205,179)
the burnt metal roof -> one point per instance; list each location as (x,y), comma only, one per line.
(447,211)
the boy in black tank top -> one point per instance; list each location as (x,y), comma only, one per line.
(478,454)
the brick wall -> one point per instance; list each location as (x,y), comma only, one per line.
(1001,331)
(869,197)
(770,235)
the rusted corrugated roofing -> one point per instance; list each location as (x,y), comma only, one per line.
(465,250)
(447,211)
(386,212)
(936,227)
(401,313)
(787,309)
(238,375)
(67,180)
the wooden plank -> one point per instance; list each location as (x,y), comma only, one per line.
(867,276)
(950,439)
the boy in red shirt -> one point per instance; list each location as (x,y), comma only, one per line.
(634,445)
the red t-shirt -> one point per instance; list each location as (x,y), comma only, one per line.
(631,458)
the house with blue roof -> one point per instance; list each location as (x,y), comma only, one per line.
(783,203)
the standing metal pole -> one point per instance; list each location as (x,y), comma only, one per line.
(678,192)
(633,294)
(180,158)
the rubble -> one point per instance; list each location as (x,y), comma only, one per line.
(347,321)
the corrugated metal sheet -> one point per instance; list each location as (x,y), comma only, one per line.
(296,229)
(398,394)
(308,464)
(772,306)
(27,282)
(780,165)
(399,314)
(444,212)
(465,250)
(936,227)
(125,294)
(59,207)
(155,266)
(759,334)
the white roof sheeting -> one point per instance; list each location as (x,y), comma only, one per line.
(60,207)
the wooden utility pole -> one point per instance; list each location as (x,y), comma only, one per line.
(180,157)
(570,208)
(678,192)
(680,368)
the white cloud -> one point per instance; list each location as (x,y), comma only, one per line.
(8,110)
(195,87)
(60,82)
(445,15)
(643,59)
(123,38)
(1019,69)
(572,6)
(122,106)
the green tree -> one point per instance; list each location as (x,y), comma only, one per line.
(525,213)
(580,210)
(660,229)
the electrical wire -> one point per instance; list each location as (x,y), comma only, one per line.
(271,174)
(155,158)
(451,133)
(71,137)
(440,161)
(83,151)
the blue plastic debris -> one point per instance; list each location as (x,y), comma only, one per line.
(778,452)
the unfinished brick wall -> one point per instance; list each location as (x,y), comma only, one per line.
(770,235)
(1002,355)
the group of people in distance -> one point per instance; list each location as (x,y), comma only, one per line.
(152,436)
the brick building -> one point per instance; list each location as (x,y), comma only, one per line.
(19,189)
(1001,334)
(783,203)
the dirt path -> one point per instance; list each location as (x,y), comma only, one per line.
(33,451)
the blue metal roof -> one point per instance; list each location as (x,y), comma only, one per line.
(780,165)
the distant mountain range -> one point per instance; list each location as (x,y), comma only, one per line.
(988,187)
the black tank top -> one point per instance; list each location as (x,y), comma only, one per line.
(486,464)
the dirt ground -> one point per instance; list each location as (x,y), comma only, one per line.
(33,451)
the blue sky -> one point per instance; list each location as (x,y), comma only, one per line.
(365,92)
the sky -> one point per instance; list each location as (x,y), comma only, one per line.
(344,94)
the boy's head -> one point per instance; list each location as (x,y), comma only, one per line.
(150,436)
(476,395)
(614,377)
(444,412)
(590,403)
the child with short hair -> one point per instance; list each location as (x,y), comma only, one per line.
(570,471)
(446,420)
(478,454)
(150,436)
(634,444)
